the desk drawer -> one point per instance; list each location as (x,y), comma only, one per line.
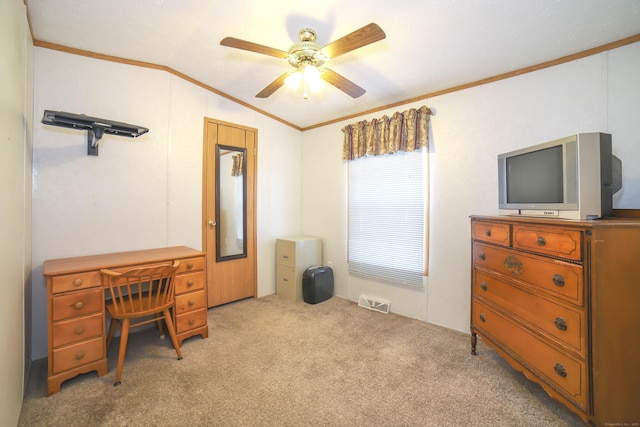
(560,322)
(566,374)
(76,304)
(189,302)
(189,282)
(68,331)
(75,355)
(191,320)
(74,282)
(191,264)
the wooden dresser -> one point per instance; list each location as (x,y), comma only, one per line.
(76,313)
(560,301)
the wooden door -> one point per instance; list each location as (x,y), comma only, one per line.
(229,277)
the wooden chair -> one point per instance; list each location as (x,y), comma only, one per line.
(143,295)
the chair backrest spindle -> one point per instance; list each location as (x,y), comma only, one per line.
(140,290)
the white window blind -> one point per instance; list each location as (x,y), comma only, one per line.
(387,216)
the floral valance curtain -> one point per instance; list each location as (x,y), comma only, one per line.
(403,131)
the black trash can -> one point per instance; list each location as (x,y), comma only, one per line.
(317,284)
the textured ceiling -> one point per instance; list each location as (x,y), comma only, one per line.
(430,45)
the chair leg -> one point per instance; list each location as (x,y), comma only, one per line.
(112,330)
(172,333)
(160,327)
(124,337)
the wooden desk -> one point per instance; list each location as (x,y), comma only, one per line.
(76,313)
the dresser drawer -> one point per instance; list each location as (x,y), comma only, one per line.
(68,331)
(559,278)
(491,232)
(564,373)
(550,241)
(74,282)
(79,354)
(189,282)
(76,304)
(190,301)
(191,264)
(568,326)
(190,320)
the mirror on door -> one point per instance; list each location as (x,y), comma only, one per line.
(231,203)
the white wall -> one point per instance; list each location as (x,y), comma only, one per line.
(145,192)
(15,195)
(470,128)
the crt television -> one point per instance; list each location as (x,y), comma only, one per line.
(571,178)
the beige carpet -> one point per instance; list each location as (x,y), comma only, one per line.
(274,362)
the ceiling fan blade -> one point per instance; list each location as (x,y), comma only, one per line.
(273,86)
(253,47)
(362,37)
(342,83)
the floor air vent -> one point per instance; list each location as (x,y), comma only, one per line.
(374,304)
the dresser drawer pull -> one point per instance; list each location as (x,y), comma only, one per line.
(483,318)
(79,355)
(191,302)
(488,232)
(79,305)
(560,370)
(79,330)
(560,323)
(189,266)
(482,256)
(513,265)
(541,241)
(77,282)
(483,286)
(558,280)
(190,283)
(192,322)
(285,280)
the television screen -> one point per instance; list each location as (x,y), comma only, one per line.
(536,177)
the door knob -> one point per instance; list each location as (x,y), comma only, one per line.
(212,223)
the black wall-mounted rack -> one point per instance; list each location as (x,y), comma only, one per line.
(94,126)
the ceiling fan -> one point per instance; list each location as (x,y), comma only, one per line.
(307,58)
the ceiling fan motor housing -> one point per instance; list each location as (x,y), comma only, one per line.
(306,51)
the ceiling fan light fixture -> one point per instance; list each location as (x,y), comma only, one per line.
(312,78)
(293,80)
(308,76)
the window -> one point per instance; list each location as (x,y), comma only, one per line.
(387,211)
